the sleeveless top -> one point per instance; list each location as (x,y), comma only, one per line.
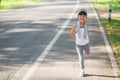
(81,35)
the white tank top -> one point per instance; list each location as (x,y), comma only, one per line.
(81,40)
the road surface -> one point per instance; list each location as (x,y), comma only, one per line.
(35,43)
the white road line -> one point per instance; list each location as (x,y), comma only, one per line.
(48,48)
(108,47)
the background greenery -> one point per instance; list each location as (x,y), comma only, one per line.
(105,3)
(113,32)
(7,4)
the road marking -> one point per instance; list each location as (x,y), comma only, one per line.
(108,47)
(48,48)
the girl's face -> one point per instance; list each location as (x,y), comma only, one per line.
(82,18)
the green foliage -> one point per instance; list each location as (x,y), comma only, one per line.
(105,4)
(7,4)
(113,32)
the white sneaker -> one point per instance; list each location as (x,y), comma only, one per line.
(81,73)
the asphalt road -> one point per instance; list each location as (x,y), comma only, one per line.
(35,43)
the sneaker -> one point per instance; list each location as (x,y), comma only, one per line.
(81,73)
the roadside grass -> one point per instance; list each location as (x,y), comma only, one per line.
(113,32)
(112,28)
(8,4)
(105,4)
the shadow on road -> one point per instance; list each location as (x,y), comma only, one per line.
(97,75)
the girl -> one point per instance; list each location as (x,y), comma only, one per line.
(79,33)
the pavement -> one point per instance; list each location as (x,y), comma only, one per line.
(35,43)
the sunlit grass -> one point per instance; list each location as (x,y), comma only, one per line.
(113,31)
(7,4)
(105,4)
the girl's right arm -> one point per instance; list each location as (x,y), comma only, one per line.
(72,32)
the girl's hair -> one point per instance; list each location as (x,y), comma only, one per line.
(82,12)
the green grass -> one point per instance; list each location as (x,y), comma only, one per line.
(113,32)
(8,4)
(105,4)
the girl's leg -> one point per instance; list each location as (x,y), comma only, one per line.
(79,50)
(87,49)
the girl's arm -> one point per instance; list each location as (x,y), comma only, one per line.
(72,32)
